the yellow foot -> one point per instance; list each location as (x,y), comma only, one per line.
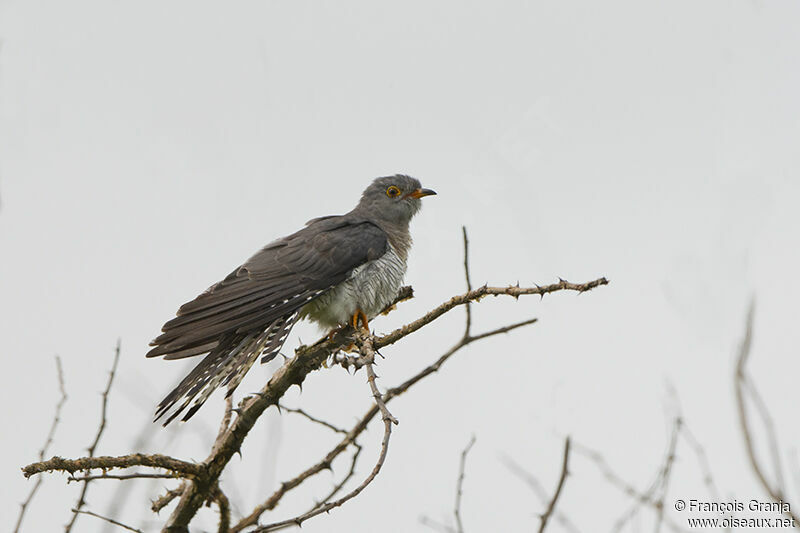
(360,315)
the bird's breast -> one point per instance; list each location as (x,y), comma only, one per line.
(369,287)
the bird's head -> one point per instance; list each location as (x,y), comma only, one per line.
(394,198)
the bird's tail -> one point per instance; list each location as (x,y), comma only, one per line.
(226,364)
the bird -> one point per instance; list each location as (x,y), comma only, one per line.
(336,270)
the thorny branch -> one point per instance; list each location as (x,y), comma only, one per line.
(48,441)
(368,353)
(93,446)
(311,358)
(350,437)
(102,462)
(200,483)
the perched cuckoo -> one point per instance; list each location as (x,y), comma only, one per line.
(336,270)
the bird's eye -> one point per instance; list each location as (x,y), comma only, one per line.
(392,192)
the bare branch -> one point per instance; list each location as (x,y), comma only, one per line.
(350,473)
(313,419)
(478,294)
(552,505)
(105,462)
(468,306)
(368,353)
(771,435)
(647,497)
(224,511)
(225,423)
(537,488)
(387,424)
(362,424)
(324,464)
(742,384)
(48,441)
(664,476)
(202,480)
(461,469)
(138,475)
(164,500)
(109,520)
(310,358)
(93,447)
(433,524)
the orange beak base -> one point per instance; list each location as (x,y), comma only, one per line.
(419,193)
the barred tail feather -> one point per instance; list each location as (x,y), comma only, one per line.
(226,364)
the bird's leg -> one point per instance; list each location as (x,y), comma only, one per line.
(360,315)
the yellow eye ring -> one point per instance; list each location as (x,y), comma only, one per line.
(392,192)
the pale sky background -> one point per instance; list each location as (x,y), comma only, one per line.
(148,148)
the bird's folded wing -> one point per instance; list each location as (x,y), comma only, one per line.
(276,281)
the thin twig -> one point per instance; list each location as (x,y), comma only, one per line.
(138,475)
(109,520)
(165,499)
(350,473)
(702,460)
(771,435)
(741,381)
(461,470)
(538,489)
(665,476)
(298,520)
(438,526)
(641,498)
(48,441)
(468,307)
(93,447)
(552,505)
(121,496)
(312,419)
(660,481)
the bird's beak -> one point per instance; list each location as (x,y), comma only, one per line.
(419,193)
